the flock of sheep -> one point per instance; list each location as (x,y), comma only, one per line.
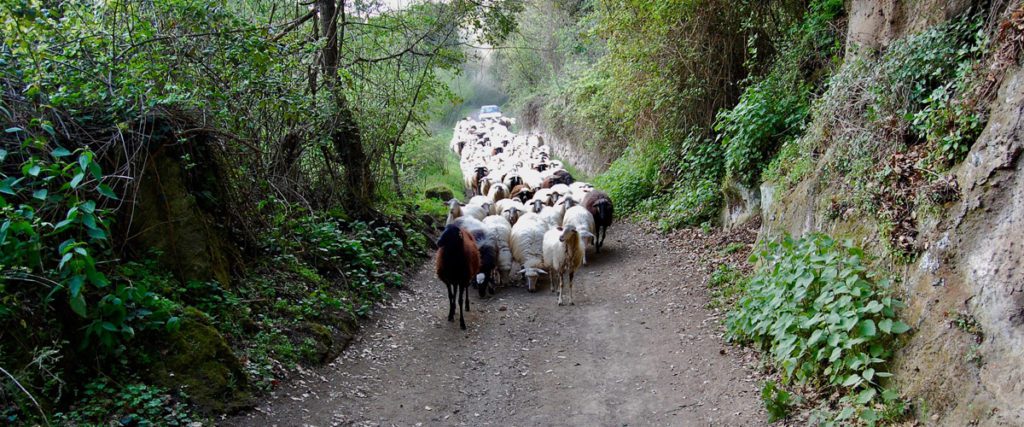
(524,210)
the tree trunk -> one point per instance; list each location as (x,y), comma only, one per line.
(345,133)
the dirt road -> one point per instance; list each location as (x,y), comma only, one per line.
(638,348)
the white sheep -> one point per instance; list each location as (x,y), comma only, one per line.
(454,211)
(527,244)
(552,215)
(477,211)
(500,231)
(563,254)
(580,218)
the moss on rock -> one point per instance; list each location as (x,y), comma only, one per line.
(198,360)
(440,193)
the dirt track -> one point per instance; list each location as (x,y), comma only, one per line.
(638,348)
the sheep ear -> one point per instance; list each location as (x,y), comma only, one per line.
(523,271)
(539,271)
(586,234)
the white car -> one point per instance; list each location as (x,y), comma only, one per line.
(490,112)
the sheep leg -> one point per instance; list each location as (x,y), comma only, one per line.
(482,287)
(560,283)
(467,298)
(451,302)
(463,290)
(572,300)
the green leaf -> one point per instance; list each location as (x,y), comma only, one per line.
(847,412)
(867,328)
(60,226)
(96,233)
(815,336)
(109,326)
(866,396)
(173,324)
(40,194)
(34,170)
(88,206)
(836,354)
(7,186)
(75,285)
(868,374)
(13,129)
(889,395)
(899,327)
(48,128)
(77,304)
(83,160)
(885,325)
(77,180)
(60,152)
(64,260)
(851,380)
(107,191)
(3,154)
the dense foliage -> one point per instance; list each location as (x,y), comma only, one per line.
(657,77)
(823,317)
(284,135)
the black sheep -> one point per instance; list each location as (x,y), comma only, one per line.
(600,206)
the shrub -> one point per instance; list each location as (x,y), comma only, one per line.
(105,402)
(936,69)
(824,318)
(630,180)
(774,109)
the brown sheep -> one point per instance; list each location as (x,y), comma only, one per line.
(458,265)
(522,192)
(560,176)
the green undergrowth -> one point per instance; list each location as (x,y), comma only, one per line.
(434,168)
(774,108)
(726,285)
(313,276)
(825,320)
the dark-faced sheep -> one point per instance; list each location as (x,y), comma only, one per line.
(522,192)
(479,173)
(458,265)
(600,206)
(487,250)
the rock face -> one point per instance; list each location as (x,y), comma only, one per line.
(167,217)
(965,291)
(876,23)
(741,204)
(972,269)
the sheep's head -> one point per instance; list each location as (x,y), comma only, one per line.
(454,208)
(532,275)
(537,205)
(511,214)
(569,202)
(569,234)
(587,238)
